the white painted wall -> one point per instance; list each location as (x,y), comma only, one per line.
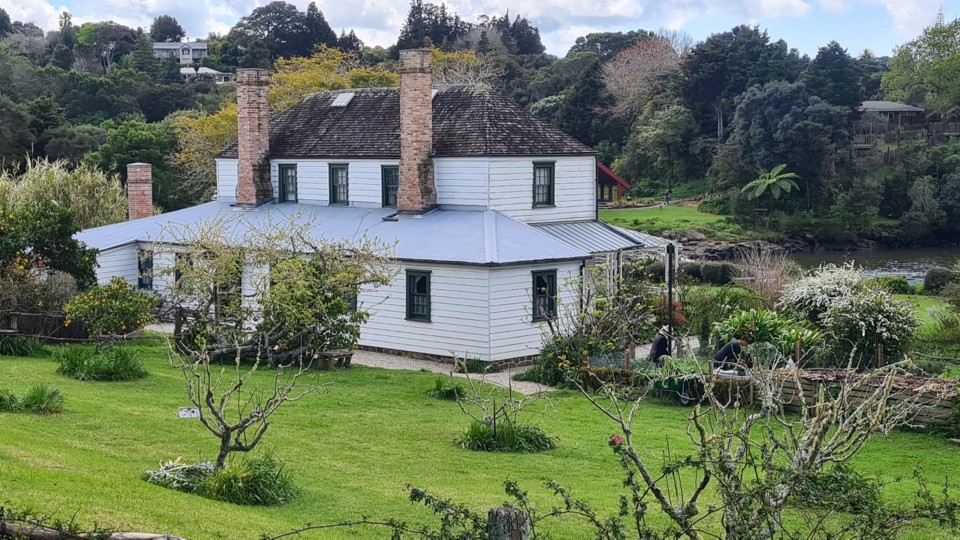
(463,181)
(513,334)
(313,180)
(511,189)
(458,313)
(483,313)
(226,180)
(119,261)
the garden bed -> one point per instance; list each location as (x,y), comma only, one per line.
(937,399)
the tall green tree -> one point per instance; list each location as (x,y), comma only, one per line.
(721,68)
(666,136)
(143,57)
(318,29)
(5,25)
(279,26)
(136,141)
(16,137)
(166,28)
(834,76)
(926,70)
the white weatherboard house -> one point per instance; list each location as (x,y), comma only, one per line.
(492,211)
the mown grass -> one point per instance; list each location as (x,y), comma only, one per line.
(351,451)
(656,220)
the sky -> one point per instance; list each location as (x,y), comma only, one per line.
(878,25)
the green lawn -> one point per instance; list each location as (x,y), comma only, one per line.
(657,219)
(352,450)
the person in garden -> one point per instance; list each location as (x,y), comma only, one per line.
(728,357)
(668,196)
(660,346)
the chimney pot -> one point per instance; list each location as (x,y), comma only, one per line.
(139,190)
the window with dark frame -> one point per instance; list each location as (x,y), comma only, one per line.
(390,176)
(544,295)
(145,269)
(288,183)
(339,185)
(543,183)
(418,295)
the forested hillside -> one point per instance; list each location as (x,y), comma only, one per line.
(735,110)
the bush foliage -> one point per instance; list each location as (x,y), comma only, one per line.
(507,436)
(115,308)
(937,278)
(258,481)
(20,346)
(85,364)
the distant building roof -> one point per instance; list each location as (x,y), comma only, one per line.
(208,71)
(888,106)
(441,236)
(604,173)
(188,71)
(468,120)
(176,44)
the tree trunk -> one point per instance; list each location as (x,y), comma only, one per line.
(224,450)
(505,523)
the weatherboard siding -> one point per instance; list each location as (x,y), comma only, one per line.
(459,314)
(313,180)
(511,189)
(226,179)
(119,261)
(462,181)
(513,334)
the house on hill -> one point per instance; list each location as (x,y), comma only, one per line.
(185,53)
(491,210)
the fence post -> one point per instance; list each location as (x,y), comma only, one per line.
(628,356)
(504,523)
(798,352)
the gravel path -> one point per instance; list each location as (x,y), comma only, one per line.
(502,378)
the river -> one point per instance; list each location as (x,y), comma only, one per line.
(910,263)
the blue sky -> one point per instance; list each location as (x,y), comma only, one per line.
(879,25)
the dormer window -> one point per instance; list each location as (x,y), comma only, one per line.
(288,183)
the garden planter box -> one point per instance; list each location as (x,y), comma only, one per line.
(937,403)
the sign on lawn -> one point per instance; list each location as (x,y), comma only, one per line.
(188,412)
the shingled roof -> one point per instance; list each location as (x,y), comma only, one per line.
(468,120)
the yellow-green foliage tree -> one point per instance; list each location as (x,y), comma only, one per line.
(95,197)
(200,138)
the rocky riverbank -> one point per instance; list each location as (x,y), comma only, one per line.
(695,245)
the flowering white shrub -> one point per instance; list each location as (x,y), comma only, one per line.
(826,287)
(861,321)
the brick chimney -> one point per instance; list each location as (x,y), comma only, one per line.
(253,138)
(417,192)
(139,190)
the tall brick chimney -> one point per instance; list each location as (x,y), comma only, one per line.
(253,138)
(417,192)
(139,190)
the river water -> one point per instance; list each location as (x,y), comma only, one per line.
(910,263)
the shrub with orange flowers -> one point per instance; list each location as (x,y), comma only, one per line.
(116,308)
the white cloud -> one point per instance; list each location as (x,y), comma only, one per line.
(910,17)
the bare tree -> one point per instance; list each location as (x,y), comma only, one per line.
(221,284)
(640,72)
(755,457)
(764,269)
(466,67)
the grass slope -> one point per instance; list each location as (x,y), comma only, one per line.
(351,450)
(657,219)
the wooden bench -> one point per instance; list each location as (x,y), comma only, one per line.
(339,358)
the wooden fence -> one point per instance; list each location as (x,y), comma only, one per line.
(47,326)
(936,403)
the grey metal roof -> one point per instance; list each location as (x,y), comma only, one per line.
(888,106)
(599,237)
(446,236)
